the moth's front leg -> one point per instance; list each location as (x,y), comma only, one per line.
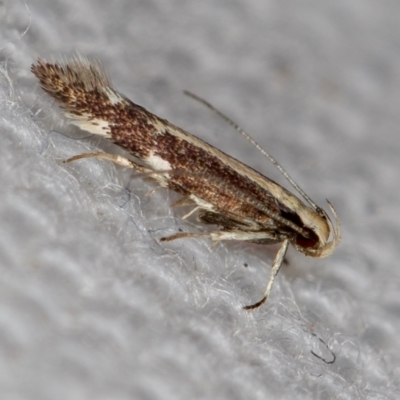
(276,265)
(244,236)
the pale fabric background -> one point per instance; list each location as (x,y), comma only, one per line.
(92,306)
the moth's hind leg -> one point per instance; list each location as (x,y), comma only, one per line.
(116,159)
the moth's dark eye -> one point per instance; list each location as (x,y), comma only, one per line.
(307,242)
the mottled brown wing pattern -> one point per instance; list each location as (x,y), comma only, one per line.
(243,203)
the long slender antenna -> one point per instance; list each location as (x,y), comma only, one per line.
(254,143)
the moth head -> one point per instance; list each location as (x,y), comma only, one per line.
(319,228)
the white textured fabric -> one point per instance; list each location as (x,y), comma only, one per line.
(92,306)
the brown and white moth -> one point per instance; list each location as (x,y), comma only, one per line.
(223,191)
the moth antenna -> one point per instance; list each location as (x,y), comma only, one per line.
(257,146)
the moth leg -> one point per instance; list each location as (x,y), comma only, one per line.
(183,235)
(150,192)
(274,271)
(187,215)
(119,160)
(244,236)
(220,235)
(184,201)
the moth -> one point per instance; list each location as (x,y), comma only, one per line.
(244,204)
